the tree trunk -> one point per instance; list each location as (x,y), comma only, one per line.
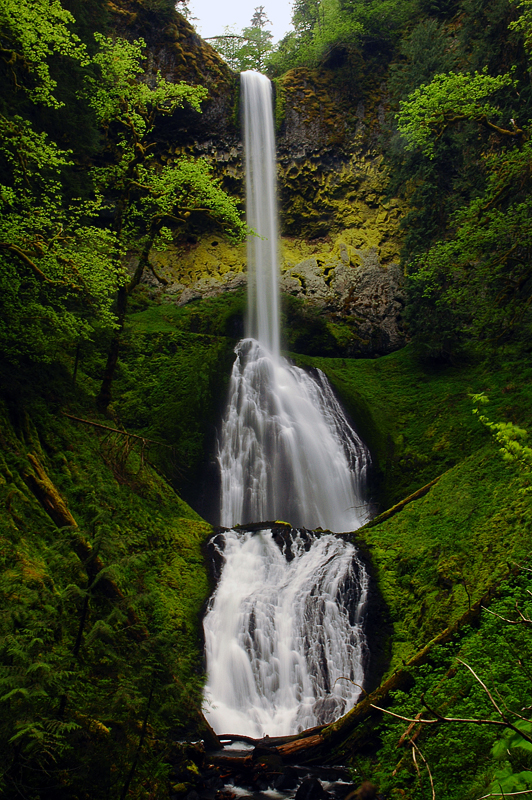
(104,396)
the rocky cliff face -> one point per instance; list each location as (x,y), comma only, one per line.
(341,240)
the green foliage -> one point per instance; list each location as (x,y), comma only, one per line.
(148,195)
(76,678)
(118,96)
(32,32)
(228,45)
(488,256)
(465,760)
(448,99)
(59,270)
(506,434)
(427,51)
(248,49)
(317,30)
(159,374)
(524,23)
(55,274)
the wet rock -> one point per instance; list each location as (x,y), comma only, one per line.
(328,709)
(366,791)
(365,294)
(286,782)
(310,789)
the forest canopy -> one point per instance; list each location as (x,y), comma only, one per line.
(61,263)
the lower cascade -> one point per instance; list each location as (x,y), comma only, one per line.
(283,632)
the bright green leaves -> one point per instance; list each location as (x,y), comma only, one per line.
(478,280)
(524,23)
(151,193)
(508,435)
(448,99)
(55,269)
(176,190)
(506,780)
(31,32)
(60,268)
(121,94)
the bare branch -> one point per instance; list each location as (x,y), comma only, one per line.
(510,621)
(472,671)
(414,745)
(505,794)
(407,719)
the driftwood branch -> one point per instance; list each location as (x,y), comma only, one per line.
(226,36)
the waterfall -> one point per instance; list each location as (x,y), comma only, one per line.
(282,626)
(287,450)
(261,211)
(280,632)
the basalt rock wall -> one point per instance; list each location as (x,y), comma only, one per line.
(340,248)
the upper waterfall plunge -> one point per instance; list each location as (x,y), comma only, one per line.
(261,211)
(284,623)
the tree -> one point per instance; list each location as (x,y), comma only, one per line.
(447,100)
(249,49)
(150,202)
(30,34)
(229,45)
(487,252)
(56,281)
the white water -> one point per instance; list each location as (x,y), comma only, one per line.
(286,448)
(261,211)
(278,634)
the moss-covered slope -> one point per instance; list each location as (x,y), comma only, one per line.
(102,586)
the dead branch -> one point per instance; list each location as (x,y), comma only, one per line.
(505,794)
(399,506)
(115,430)
(226,36)
(414,748)
(523,619)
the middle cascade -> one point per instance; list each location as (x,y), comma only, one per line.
(287,450)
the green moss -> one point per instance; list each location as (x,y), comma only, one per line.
(150,543)
(441,553)
(417,418)
(280,103)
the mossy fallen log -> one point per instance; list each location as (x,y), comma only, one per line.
(399,506)
(57,509)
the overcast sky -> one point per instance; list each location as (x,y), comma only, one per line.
(214,15)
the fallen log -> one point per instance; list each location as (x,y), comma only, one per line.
(56,507)
(400,505)
(337,740)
